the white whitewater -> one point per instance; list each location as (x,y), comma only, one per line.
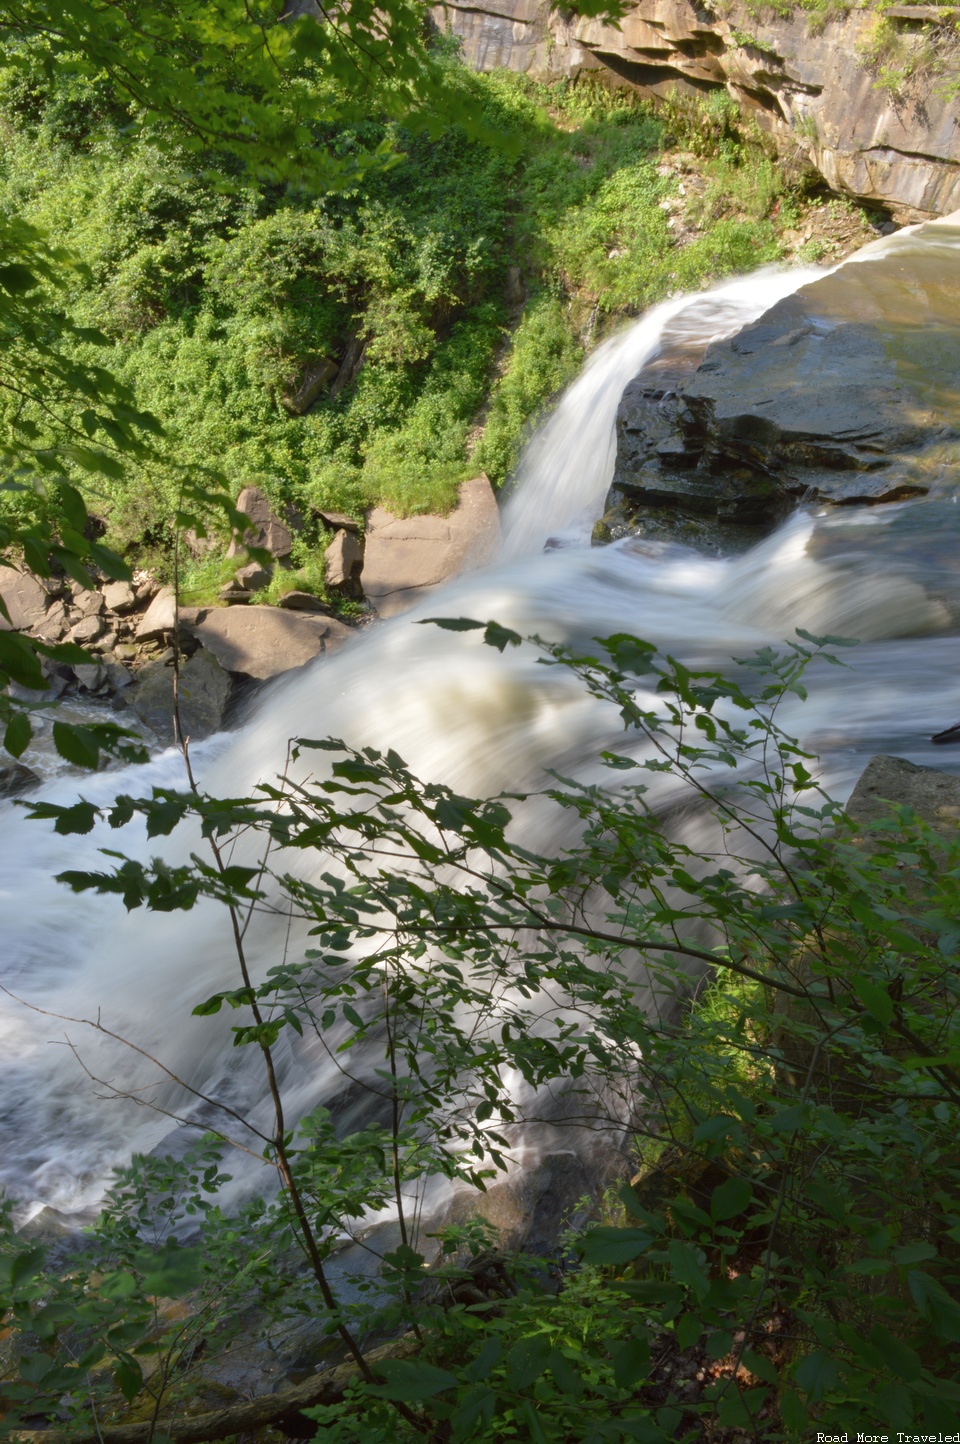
(459,712)
(567,468)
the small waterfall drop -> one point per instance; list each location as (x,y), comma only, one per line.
(567,467)
(458,712)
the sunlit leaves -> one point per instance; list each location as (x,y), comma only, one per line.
(246,86)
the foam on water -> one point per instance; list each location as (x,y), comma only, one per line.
(457,711)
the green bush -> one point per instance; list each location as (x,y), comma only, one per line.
(545,354)
(218,294)
(793,1229)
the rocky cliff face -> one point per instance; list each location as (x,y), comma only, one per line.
(806,81)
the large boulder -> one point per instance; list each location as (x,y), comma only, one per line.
(266,529)
(204,692)
(530,1208)
(931,794)
(262,642)
(55,625)
(407,557)
(88,602)
(26,600)
(343,563)
(15,779)
(87,630)
(297,601)
(252,577)
(119,597)
(160,616)
(840,393)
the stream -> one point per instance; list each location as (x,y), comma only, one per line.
(461,713)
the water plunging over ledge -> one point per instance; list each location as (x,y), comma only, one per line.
(458,712)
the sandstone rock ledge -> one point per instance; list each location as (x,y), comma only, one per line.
(405,558)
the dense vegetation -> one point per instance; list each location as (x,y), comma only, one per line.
(787,1257)
(441,301)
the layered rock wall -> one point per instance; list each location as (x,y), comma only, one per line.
(807,82)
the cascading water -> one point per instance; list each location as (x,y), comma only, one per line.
(458,712)
(566,469)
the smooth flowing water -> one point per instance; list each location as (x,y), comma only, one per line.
(459,712)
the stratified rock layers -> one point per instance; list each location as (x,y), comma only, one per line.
(805,79)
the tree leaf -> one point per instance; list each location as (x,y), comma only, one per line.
(16,737)
(75,744)
(816,1374)
(608,1245)
(687,1261)
(411,1381)
(527,1360)
(631,1362)
(173,1271)
(453,624)
(875,999)
(730,1198)
(500,637)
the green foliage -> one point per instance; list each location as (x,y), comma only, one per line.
(220,305)
(204,170)
(793,1228)
(544,356)
(233,85)
(126,1336)
(68,425)
(417,466)
(906,60)
(221,295)
(61,421)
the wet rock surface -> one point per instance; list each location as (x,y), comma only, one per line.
(16,779)
(829,398)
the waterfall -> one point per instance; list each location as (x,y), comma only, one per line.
(567,468)
(458,712)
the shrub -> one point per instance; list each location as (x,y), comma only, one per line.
(792,1232)
(544,356)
